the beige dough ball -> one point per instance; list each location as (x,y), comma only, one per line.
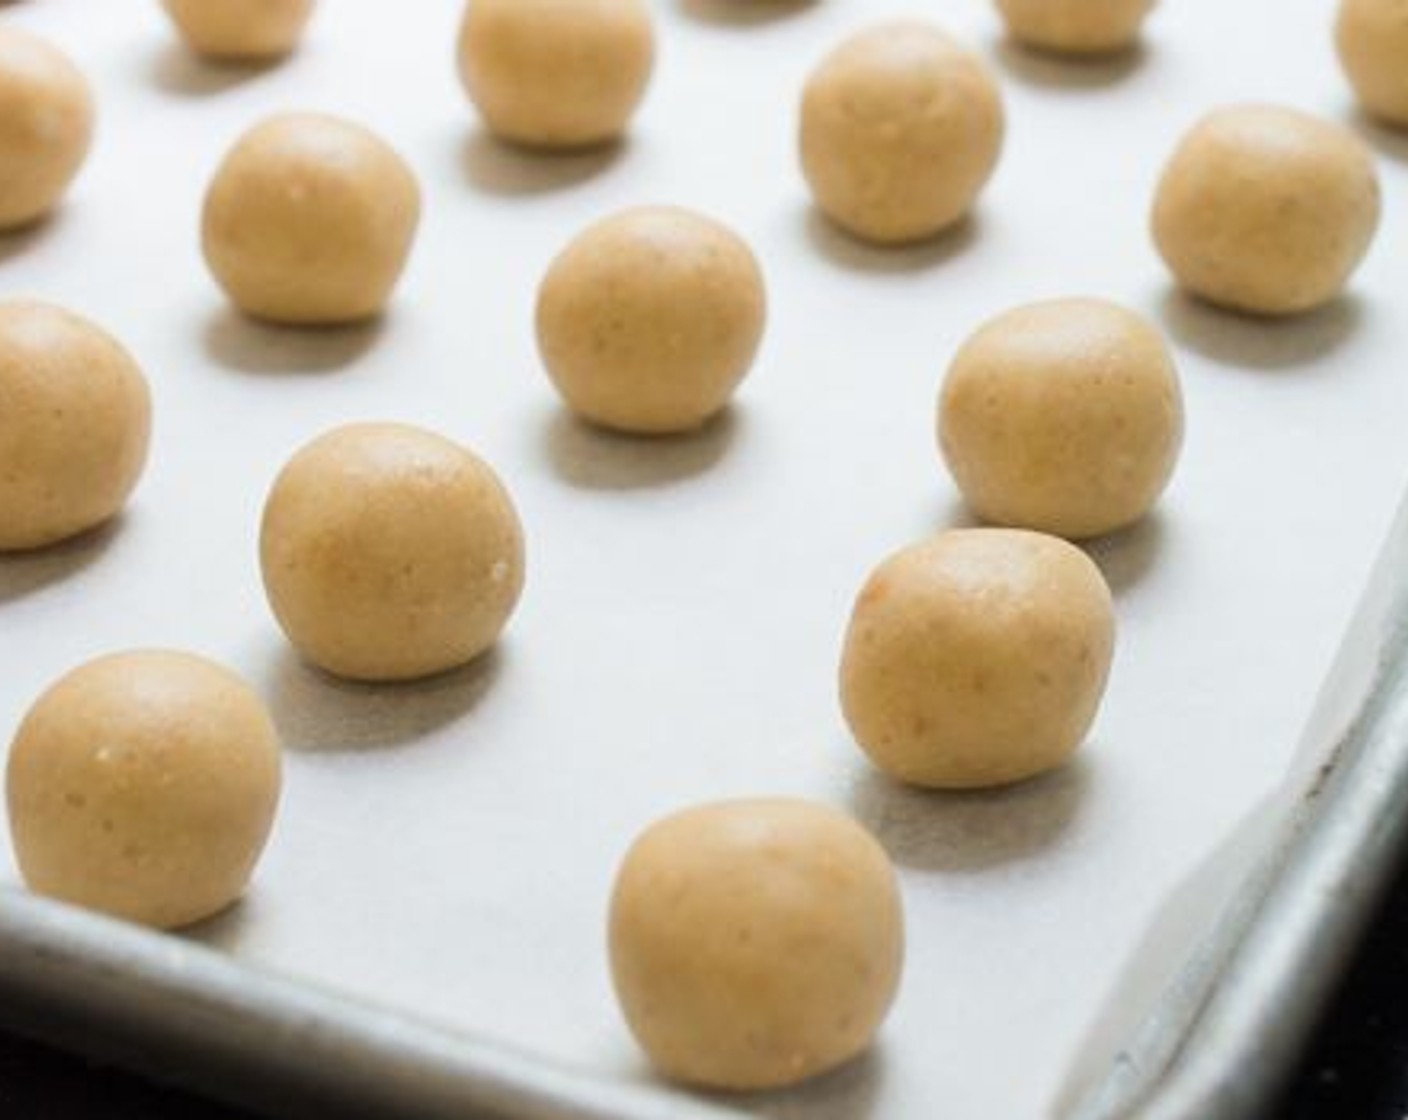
(390,553)
(309,220)
(901,128)
(144,785)
(556,73)
(1064,416)
(1080,27)
(755,943)
(1372,36)
(46,125)
(240,30)
(1266,209)
(648,321)
(977,658)
(74,424)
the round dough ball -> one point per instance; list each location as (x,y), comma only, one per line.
(144,785)
(240,30)
(1372,36)
(74,424)
(556,73)
(977,658)
(309,220)
(755,943)
(901,128)
(390,553)
(46,125)
(1064,416)
(1266,209)
(1079,27)
(648,321)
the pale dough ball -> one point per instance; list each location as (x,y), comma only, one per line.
(1372,36)
(309,220)
(240,30)
(74,424)
(648,321)
(1064,416)
(144,785)
(390,553)
(46,125)
(1266,209)
(977,658)
(901,128)
(1075,26)
(556,73)
(755,943)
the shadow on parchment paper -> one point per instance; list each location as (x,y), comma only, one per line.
(17,242)
(1051,71)
(732,13)
(175,69)
(1125,556)
(507,169)
(597,459)
(223,930)
(247,345)
(1259,342)
(315,711)
(22,573)
(972,830)
(849,252)
(1385,139)
(847,1093)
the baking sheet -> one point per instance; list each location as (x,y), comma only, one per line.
(448,847)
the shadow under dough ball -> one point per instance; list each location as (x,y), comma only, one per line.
(977,658)
(901,127)
(309,221)
(648,320)
(756,943)
(1075,27)
(390,553)
(144,785)
(1266,209)
(1372,37)
(46,126)
(1064,416)
(556,75)
(240,30)
(74,425)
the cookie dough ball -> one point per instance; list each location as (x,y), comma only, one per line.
(240,30)
(144,785)
(755,943)
(1372,36)
(977,658)
(46,125)
(74,424)
(1064,416)
(1077,27)
(556,73)
(1266,209)
(901,128)
(390,553)
(309,220)
(648,321)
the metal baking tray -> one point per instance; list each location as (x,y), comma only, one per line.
(1147,932)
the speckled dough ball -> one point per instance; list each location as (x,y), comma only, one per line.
(74,424)
(977,658)
(144,785)
(309,220)
(755,943)
(648,321)
(901,128)
(46,125)
(1372,36)
(1266,209)
(1080,27)
(240,30)
(556,73)
(1064,416)
(390,553)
